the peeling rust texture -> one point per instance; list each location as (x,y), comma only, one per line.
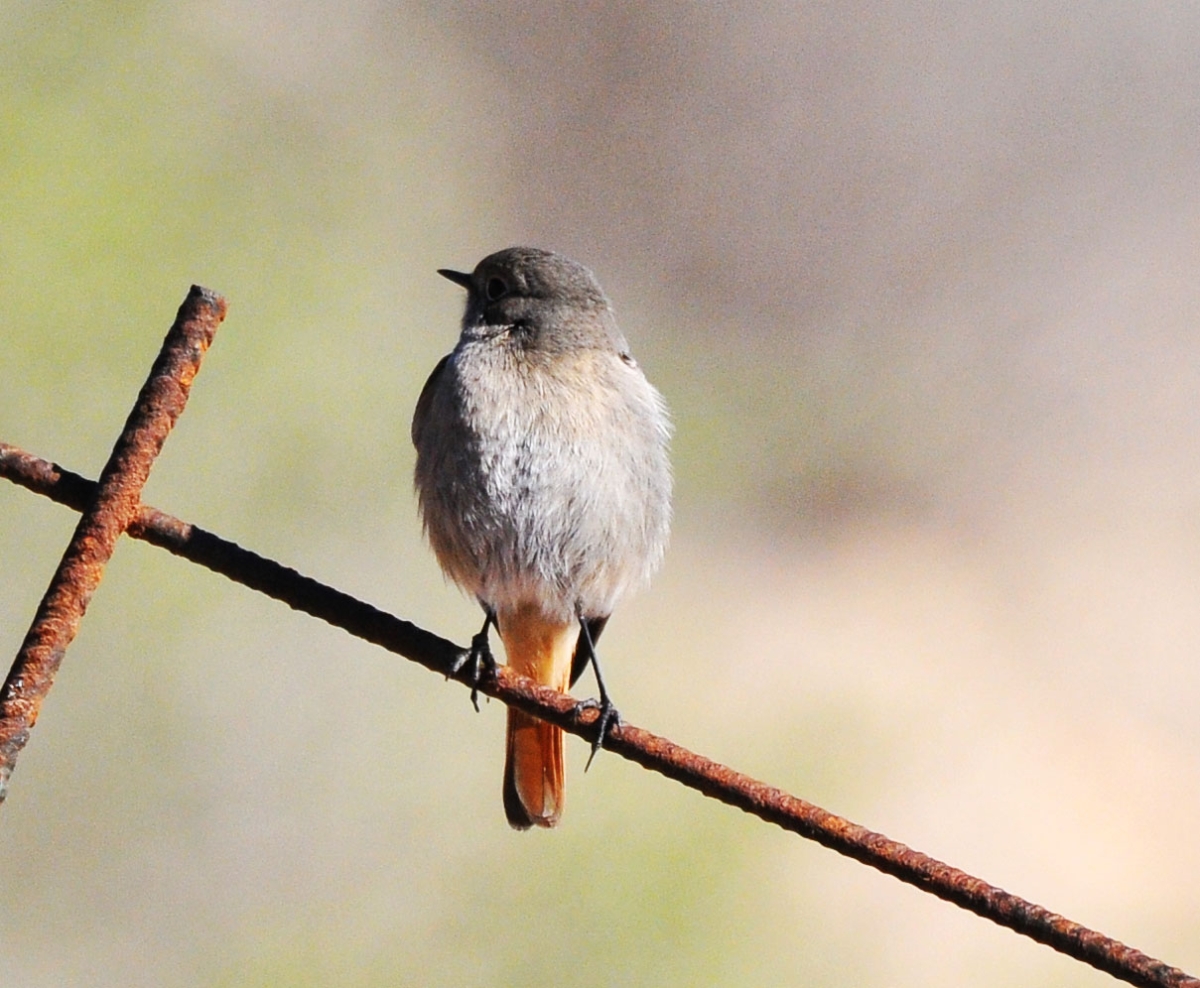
(648,750)
(113,505)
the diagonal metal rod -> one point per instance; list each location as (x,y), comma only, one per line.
(641,746)
(112,505)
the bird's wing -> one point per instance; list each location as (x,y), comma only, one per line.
(426,399)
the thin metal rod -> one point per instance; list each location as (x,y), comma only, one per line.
(113,505)
(638,745)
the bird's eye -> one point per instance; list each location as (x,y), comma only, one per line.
(495,288)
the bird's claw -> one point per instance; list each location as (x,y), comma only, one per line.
(483,664)
(608,719)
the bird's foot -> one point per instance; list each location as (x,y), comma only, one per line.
(608,719)
(481,662)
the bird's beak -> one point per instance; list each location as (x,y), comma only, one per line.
(456,276)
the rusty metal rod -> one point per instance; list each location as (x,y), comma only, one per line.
(193,543)
(112,505)
(647,749)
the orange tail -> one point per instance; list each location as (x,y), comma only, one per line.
(533,763)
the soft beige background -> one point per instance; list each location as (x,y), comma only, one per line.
(920,283)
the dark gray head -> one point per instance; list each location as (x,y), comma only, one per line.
(537,300)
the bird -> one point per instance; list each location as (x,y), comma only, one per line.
(544,484)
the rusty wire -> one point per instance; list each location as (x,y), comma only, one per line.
(112,504)
(638,745)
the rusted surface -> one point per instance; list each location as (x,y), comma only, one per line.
(113,506)
(896,859)
(241,565)
(648,750)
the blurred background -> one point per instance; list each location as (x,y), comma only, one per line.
(920,284)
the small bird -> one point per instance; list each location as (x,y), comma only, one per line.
(544,485)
